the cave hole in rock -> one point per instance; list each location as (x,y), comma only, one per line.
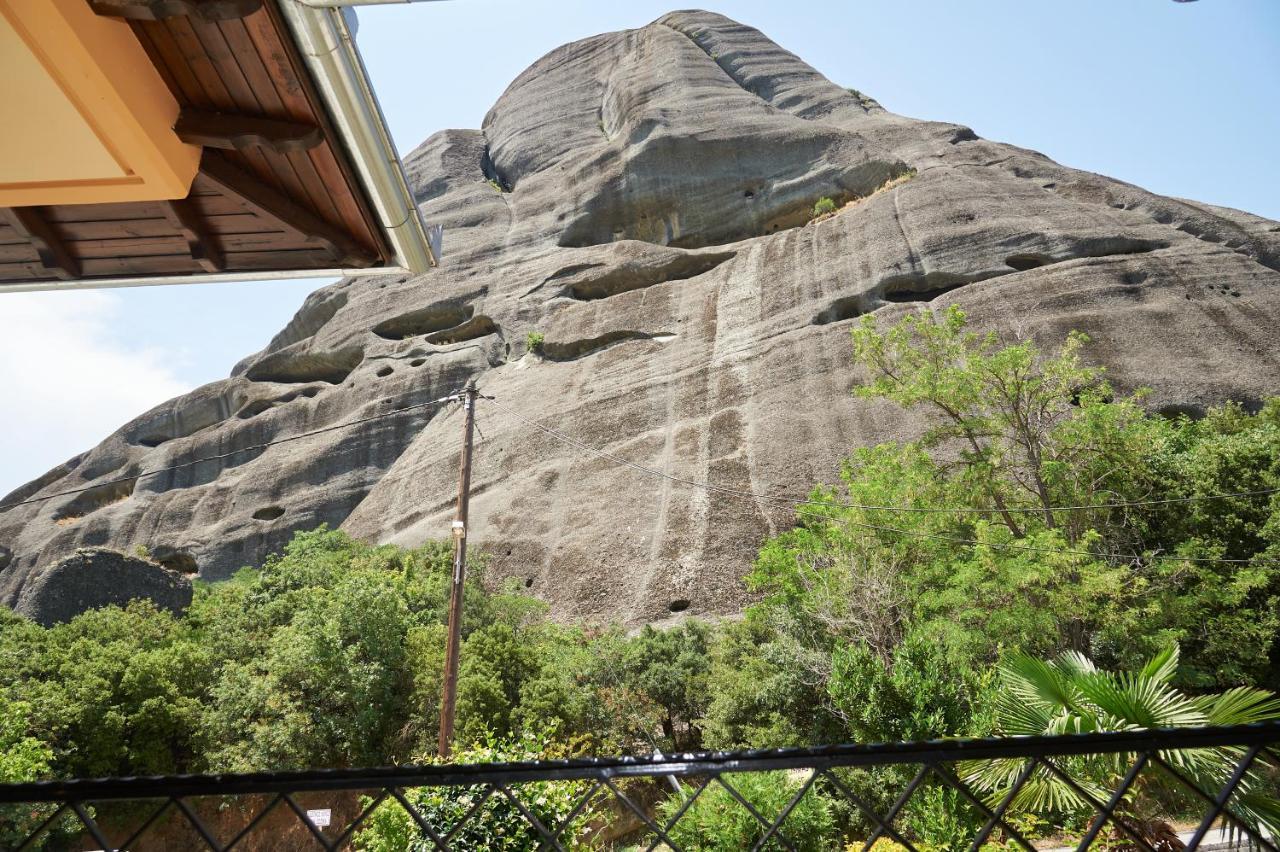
(921,288)
(1176,410)
(1023,262)
(95,498)
(255,408)
(478,326)
(417,362)
(844,308)
(428,320)
(287,367)
(268,513)
(175,560)
(626,278)
(383,372)
(575,349)
(528,582)
(6,557)
(1086,247)
(679,605)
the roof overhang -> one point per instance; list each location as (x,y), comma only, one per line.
(295,173)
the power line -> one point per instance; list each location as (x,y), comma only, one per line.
(797,504)
(134,477)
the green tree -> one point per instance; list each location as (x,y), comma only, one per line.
(1032,431)
(668,669)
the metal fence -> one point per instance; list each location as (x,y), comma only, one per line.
(121,813)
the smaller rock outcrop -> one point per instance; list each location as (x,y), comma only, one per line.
(94,577)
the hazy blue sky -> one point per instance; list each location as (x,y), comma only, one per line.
(1178,97)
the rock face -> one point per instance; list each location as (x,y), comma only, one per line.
(95,577)
(654,225)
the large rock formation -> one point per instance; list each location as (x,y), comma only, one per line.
(654,224)
(95,577)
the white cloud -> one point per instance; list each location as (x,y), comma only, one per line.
(69,377)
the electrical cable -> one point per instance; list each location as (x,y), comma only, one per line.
(792,503)
(134,477)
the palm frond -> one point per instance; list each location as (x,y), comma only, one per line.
(1073,663)
(1242,705)
(1034,680)
(1163,666)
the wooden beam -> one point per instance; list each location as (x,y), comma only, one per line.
(158,10)
(273,205)
(239,132)
(202,245)
(52,250)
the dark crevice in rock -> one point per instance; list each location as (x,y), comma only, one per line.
(1089,247)
(1175,410)
(175,560)
(6,557)
(477,326)
(490,171)
(95,498)
(433,318)
(679,605)
(299,367)
(576,349)
(844,308)
(921,288)
(1023,262)
(417,362)
(629,277)
(268,513)
(258,406)
(383,372)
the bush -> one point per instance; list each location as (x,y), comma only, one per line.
(823,207)
(498,824)
(717,822)
(533,341)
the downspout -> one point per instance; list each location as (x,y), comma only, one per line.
(328,48)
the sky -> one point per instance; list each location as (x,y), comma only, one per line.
(1177,97)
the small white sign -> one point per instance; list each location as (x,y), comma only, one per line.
(319,818)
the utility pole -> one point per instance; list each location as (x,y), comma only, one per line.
(449,695)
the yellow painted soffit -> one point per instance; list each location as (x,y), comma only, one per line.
(87,118)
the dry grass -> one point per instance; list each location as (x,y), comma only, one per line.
(891,183)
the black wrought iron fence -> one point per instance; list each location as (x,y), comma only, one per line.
(175,811)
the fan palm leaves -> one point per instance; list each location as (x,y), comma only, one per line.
(1070,695)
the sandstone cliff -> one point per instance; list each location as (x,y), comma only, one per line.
(643,199)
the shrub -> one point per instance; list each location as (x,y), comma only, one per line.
(717,822)
(823,207)
(498,824)
(534,340)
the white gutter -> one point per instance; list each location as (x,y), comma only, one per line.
(330,52)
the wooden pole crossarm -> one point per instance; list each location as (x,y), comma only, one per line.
(287,214)
(54,254)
